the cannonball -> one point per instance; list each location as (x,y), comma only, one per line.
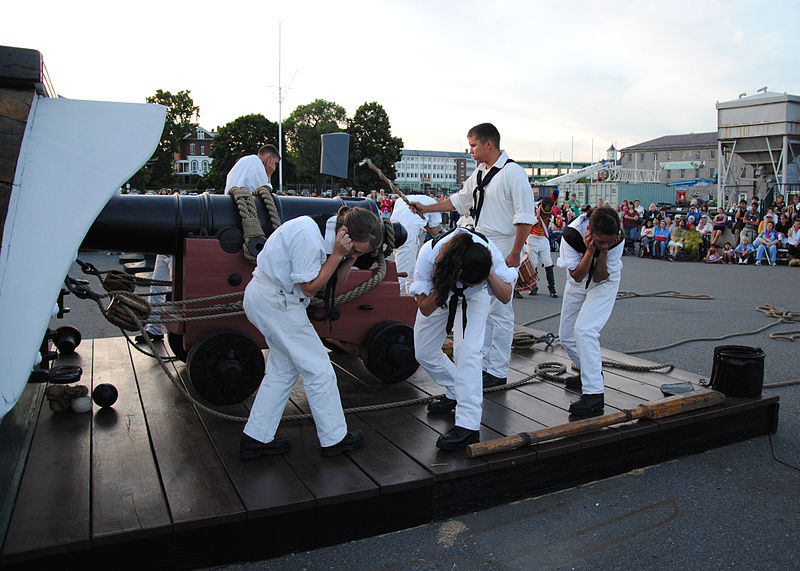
(81,404)
(105,394)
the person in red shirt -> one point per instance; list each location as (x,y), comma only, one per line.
(384,204)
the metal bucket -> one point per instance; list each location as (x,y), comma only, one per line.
(738,371)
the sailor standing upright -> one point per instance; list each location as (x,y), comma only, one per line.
(591,252)
(498,196)
(254,171)
(405,257)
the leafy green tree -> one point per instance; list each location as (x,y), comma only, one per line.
(180,110)
(242,136)
(371,137)
(303,129)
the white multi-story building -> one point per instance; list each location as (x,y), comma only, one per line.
(440,172)
(193,157)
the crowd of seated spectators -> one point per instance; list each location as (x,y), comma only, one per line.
(700,233)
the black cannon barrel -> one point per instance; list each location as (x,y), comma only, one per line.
(158,224)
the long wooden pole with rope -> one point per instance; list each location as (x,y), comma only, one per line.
(662,408)
(383,177)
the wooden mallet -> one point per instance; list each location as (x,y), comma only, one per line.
(662,408)
(383,177)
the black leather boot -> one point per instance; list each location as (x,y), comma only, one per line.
(551,281)
(587,405)
(457,438)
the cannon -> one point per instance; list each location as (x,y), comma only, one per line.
(204,234)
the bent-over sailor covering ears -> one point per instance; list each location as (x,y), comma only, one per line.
(457,275)
(291,268)
(591,252)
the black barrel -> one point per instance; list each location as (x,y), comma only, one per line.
(158,224)
(738,371)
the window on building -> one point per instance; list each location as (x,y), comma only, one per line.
(205,167)
(697,154)
(669,174)
(191,148)
(641,156)
(683,173)
(669,155)
(203,150)
(200,134)
(655,156)
(712,154)
(194,166)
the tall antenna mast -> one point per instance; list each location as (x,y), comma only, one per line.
(280,119)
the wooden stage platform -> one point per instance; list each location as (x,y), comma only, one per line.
(153,481)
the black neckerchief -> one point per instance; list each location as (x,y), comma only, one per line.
(479,191)
(458,292)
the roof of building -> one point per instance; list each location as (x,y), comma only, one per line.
(690,141)
(757,99)
(193,133)
(441,154)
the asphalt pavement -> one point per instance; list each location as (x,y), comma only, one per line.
(733,507)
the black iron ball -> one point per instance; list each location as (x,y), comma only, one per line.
(105,394)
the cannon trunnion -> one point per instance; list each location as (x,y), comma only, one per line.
(203,233)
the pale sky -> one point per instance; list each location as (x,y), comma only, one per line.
(552,76)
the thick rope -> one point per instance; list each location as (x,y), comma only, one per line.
(251,225)
(265,194)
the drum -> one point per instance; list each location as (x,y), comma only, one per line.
(528,278)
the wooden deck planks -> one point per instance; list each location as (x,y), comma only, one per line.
(198,490)
(52,512)
(159,459)
(127,498)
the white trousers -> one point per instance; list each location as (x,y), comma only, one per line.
(162,271)
(462,380)
(539,251)
(584,313)
(500,324)
(405,257)
(294,348)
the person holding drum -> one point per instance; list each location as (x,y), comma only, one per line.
(539,245)
(456,277)
(591,252)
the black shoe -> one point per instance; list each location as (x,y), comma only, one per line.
(458,438)
(553,294)
(534,291)
(587,405)
(251,448)
(153,337)
(351,441)
(517,295)
(573,383)
(442,404)
(489,380)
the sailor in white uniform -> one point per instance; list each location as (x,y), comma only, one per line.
(456,277)
(254,171)
(291,268)
(405,257)
(591,252)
